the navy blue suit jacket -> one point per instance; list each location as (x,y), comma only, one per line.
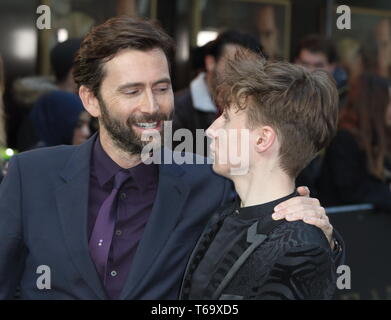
(43,221)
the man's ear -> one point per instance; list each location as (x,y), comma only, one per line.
(210,63)
(265,138)
(90,102)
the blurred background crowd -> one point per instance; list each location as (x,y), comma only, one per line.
(39,107)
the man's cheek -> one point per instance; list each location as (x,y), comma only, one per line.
(166,105)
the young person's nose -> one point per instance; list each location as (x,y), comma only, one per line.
(211,131)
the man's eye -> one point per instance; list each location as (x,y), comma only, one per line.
(162,89)
(131,92)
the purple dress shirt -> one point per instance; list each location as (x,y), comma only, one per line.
(135,202)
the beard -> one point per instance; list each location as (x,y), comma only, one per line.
(123,134)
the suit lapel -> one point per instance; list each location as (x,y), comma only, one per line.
(171,196)
(72,202)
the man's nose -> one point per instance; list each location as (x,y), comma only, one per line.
(149,104)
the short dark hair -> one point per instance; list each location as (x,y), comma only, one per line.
(62,56)
(103,42)
(245,40)
(318,44)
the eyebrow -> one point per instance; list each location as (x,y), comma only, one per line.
(141,84)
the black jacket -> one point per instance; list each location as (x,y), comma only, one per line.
(281,260)
(186,116)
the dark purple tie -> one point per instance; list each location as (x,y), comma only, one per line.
(103,231)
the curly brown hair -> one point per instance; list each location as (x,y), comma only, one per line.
(103,42)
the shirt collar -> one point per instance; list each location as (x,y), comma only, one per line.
(200,95)
(105,169)
(260,210)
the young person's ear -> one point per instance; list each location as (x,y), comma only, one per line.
(265,139)
(210,63)
(90,102)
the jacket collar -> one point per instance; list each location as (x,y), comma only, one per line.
(259,210)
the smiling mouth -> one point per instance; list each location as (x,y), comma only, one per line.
(147,125)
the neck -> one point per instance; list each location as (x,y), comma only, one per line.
(259,187)
(120,157)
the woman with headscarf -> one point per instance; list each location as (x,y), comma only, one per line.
(59,118)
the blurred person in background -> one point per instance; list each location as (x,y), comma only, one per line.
(61,59)
(59,118)
(383,41)
(194,106)
(3,138)
(268,32)
(349,52)
(367,57)
(356,168)
(28,90)
(316,52)
(373,57)
(198,59)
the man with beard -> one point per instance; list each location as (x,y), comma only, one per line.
(94,221)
